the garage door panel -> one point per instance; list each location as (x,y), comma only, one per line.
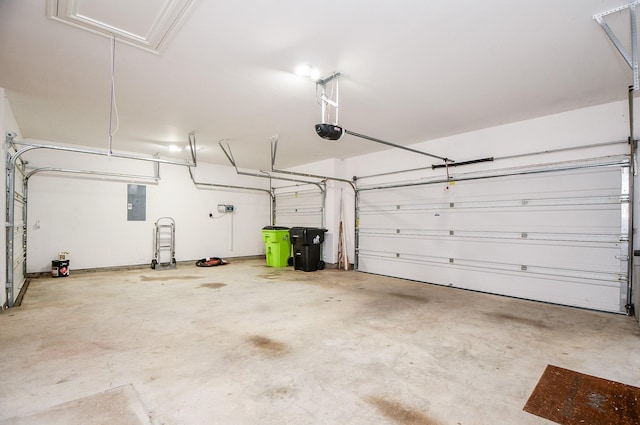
(534,219)
(299,208)
(547,234)
(601,295)
(587,256)
(17,259)
(602,181)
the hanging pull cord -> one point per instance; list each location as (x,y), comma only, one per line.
(113,107)
(446,166)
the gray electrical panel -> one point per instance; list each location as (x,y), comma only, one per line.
(136,202)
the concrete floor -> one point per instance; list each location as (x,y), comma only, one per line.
(248,344)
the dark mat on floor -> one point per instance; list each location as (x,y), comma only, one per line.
(568,397)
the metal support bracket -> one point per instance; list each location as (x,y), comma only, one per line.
(327,102)
(193,148)
(631,59)
(224,145)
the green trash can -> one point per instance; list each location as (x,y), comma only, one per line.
(277,245)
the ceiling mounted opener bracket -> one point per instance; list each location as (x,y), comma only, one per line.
(631,59)
(329,102)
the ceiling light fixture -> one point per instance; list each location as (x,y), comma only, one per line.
(174,148)
(306,70)
(303,70)
(314,74)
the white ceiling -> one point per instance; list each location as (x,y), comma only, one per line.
(411,71)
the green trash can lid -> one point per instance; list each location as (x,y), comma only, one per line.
(275,228)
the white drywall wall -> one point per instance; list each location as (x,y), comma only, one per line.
(87,216)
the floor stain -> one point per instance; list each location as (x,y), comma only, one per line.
(269,346)
(165,278)
(521,320)
(400,414)
(279,392)
(213,285)
(408,297)
(284,275)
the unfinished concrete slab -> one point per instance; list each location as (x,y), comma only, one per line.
(115,406)
(249,344)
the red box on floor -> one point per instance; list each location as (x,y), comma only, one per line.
(60,268)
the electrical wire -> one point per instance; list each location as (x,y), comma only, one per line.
(113,107)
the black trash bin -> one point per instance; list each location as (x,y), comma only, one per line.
(306,243)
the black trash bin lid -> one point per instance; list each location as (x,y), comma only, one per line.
(307,229)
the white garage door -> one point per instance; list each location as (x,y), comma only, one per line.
(16,238)
(556,233)
(299,206)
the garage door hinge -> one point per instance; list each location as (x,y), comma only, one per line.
(624,238)
(624,198)
(622,257)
